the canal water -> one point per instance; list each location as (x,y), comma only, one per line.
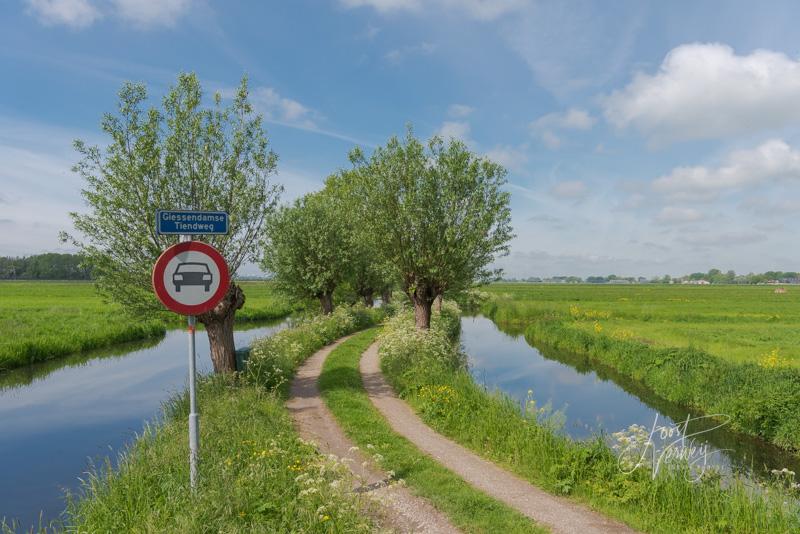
(594,399)
(57,417)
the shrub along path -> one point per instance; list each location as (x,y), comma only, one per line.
(560,515)
(405,512)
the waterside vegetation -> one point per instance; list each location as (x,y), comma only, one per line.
(429,372)
(675,341)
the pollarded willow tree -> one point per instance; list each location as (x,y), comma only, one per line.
(367,269)
(306,248)
(438,213)
(181,156)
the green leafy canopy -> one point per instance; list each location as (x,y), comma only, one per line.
(438,212)
(181,156)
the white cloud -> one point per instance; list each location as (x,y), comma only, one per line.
(483,10)
(455,129)
(371,32)
(278,108)
(459,111)
(550,140)
(677,215)
(632,201)
(766,207)
(486,9)
(73,13)
(723,239)
(83,13)
(572,119)
(399,54)
(547,126)
(707,91)
(569,189)
(509,157)
(384,6)
(772,160)
(148,13)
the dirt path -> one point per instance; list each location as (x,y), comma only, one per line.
(404,512)
(558,514)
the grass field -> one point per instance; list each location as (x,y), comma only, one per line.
(722,350)
(44,320)
(737,323)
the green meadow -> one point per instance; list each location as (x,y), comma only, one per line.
(738,323)
(45,320)
(719,349)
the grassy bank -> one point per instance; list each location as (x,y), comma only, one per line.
(428,371)
(344,394)
(761,395)
(45,320)
(256,474)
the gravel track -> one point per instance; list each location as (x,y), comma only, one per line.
(558,514)
(401,510)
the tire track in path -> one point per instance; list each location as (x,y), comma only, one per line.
(404,511)
(559,514)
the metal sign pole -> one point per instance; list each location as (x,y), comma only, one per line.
(194,431)
(194,434)
(213,277)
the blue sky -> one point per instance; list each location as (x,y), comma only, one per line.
(640,138)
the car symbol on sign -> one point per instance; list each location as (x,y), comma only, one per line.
(192,274)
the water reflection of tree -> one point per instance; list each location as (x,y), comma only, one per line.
(748,454)
(23,376)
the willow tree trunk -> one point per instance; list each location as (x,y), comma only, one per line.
(386,296)
(438,303)
(326,302)
(219,326)
(368,299)
(423,300)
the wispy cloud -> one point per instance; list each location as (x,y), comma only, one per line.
(398,55)
(80,14)
(512,158)
(151,13)
(482,10)
(570,189)
(548,127)
(276,107)
(455,130)
(76,14)
(679,215)
(459,111)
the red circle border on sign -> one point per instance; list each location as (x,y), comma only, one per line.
(161,266)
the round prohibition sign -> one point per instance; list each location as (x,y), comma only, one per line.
(190,278)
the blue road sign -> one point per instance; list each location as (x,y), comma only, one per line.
(191,222)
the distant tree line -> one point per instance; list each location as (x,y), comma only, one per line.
(713,276)
(49,266)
